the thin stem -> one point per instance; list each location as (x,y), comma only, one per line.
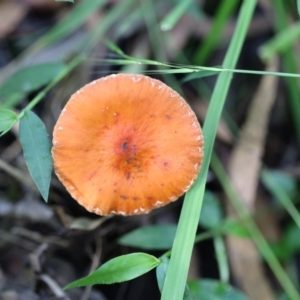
(257,236)
(221,255)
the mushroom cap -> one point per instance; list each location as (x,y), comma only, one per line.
(126,144)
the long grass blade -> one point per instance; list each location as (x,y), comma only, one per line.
(184,240)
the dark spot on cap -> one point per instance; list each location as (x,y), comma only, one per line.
(123,197)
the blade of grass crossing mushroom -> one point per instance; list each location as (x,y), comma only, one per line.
(37,151)
(298,7)
(257,236)
(183,243)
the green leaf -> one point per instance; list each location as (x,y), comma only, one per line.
(298,7)
(78,15)
(236,228)
(158,237)
(7,119)
(281,42)
(277,178)
(289,244)
(37,151)
(175,14)
(214,290)
(119,269)
(27,80)
(161,272)
(211,213)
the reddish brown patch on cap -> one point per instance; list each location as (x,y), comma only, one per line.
(126,144)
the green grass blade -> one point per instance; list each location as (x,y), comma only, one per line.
(27,80)
(221,256)
(175,14)
(274,187)
(78,15)
(214,36)
(290,66)
(183,243)
(257,236)
(281,42)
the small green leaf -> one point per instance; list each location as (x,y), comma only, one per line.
(211,213)
(298,7)
(161,272)
(27,80)
(281,42)
(37,151)
(289,244)
(280,179)
(158,237)
(214,290)
(236,228)
(7,119)
(119,269)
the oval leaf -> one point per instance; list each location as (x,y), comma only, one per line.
(214,290)
(161,272)
(37,151)
(158,237)
(7,119)
(119,269)
(27,80)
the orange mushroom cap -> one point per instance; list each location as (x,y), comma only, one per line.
(126,144)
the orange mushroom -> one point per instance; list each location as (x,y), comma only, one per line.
(126,144)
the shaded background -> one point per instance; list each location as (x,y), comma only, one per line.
(45,246)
